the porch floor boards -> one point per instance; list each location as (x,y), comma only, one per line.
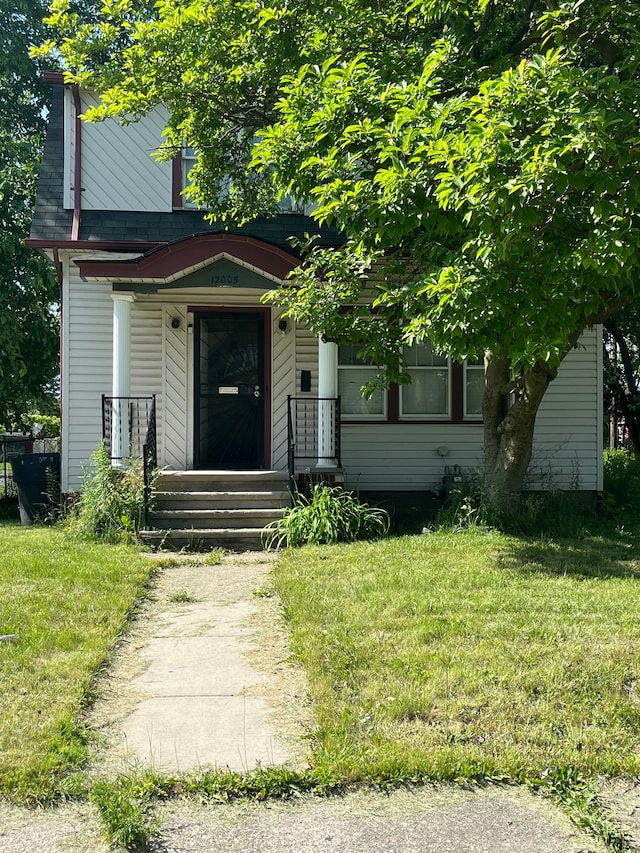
(210,509)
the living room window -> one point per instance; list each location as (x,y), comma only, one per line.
(353,373)
(440,390)
(429,392)
(473,387)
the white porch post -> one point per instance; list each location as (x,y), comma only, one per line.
(120,450)
(327,387)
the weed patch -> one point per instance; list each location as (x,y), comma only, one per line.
(329,516)
(111,505)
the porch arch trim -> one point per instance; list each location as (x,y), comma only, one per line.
(168,263)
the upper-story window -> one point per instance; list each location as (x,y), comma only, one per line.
(187,160)
(440,390)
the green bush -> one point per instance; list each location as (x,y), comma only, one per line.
(330,515)
(111,506)
(621,483)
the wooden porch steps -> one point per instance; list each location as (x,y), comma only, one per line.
(215,509)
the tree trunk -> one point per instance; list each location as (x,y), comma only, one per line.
(508,429)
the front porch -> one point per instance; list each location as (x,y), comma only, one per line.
(203,509)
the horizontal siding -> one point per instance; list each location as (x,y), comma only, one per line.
(375,455)
(404,457)
(567,438)
(87,355)
(118,169)
(566,450)
(307,358)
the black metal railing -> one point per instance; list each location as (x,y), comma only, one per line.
(313,432)
(129,432)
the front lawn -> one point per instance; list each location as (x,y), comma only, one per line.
(66,602)
(459,654)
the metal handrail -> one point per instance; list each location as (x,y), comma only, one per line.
(129,432)
(313,432)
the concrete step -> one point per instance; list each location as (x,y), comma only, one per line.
(226,481)
(215,509)
(204,539)
(214,518)
(221,500)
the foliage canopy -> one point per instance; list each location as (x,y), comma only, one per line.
(28,291)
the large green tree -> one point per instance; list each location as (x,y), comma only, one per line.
(484,156)
(28,290)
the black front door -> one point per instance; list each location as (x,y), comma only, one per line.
(230,393)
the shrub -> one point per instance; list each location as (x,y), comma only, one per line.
(111,506)
(621,482)
(330,515)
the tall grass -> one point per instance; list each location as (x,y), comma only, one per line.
(66,602)
(111,505)
(329,516)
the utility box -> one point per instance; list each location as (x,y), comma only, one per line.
(37,477)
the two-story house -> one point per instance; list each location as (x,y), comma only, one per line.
(162,320)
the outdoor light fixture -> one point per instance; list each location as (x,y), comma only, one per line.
(282,325)
(175,322)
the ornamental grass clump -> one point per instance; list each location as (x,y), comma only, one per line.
(329,515)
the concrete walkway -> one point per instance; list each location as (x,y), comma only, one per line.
(204,679)
(203,676)
(198,711)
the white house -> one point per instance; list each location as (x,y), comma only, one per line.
(159,304)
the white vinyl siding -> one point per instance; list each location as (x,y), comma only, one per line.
(567,449)
(306,346)
(283,383)
(119,171)
(86,356)
(375,455)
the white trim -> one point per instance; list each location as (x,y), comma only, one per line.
(64,375)
(68,148)
(170,279)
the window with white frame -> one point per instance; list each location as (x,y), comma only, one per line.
(440,390)
(353,373)
(429,392)
(473,387)
(189,157)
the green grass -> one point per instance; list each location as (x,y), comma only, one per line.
(67,601)
(449,656)
(469,654)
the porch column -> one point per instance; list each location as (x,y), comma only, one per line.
(327,387)
(120,449)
